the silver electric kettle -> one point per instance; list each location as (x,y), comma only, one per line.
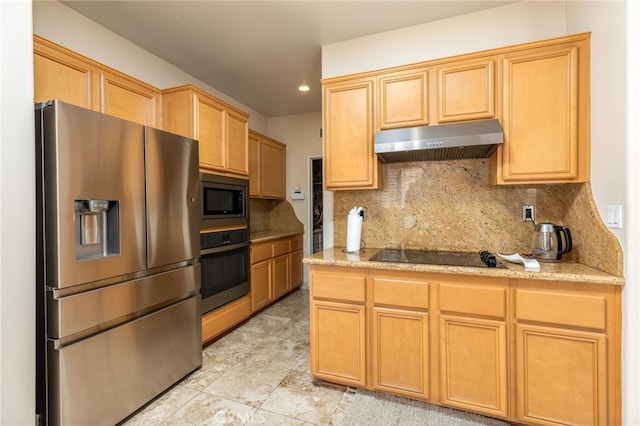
(550,242)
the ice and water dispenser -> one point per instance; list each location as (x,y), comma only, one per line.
(97,228)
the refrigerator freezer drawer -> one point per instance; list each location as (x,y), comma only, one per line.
(92,311)
(104,379)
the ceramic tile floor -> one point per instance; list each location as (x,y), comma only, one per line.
(256,374)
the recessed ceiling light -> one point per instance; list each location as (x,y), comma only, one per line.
(303,88)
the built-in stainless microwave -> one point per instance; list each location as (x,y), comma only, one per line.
(224,201)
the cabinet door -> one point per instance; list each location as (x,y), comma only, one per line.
(280,275)
(545,116)
(210,132)
(261,293)
(126,99)
(466,90)
(254,165)
(400,340)
(237,150)
(473,364)
(338,350)
(58,75)
(349,160)
(273,176)
(560,376)
(403,99)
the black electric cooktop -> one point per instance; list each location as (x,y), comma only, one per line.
(451,258)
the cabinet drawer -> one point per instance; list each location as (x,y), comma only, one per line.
(338,286)
(471,299)
(561,308)
(260,252)
(296,243)
(280,247)
(401,293)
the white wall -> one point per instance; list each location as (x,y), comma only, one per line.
(631,300)
(17,217)
(615,139)
(301,133)
(62,25)
(615,156)
(503,26)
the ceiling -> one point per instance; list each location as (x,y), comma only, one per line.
(259,52)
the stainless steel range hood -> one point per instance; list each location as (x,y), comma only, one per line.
(470,139)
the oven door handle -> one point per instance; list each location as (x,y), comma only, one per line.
(223,248)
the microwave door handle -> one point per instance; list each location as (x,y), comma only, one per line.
(223,248)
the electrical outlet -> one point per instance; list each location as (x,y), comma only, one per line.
(363,213)
(528,214)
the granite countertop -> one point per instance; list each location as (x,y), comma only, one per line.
(264,236)
(563,271)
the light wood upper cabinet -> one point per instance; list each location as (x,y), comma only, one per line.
(267,167)
(403,99)
(466,90)
(255,166)
(210,132)
(65,75)
(237,148)
(545,115)
(60,74)
(128,100)
(452,91)
(348,113)
(539,91)
(222,130)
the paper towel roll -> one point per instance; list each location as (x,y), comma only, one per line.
(354,231)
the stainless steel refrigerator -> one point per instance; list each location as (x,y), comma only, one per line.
(118,277)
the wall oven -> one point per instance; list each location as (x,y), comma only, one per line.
(224,240)
(224,260)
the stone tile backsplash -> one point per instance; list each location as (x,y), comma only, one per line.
(450,205)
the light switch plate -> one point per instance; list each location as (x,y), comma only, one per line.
(614,216)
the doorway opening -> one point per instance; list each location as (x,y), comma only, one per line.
(316,205)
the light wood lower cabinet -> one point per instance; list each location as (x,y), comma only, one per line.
(567,353)
(473,345)
(400,335)
(276,270)
(527,351)
(224,318)
(338,344)
(261,291)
